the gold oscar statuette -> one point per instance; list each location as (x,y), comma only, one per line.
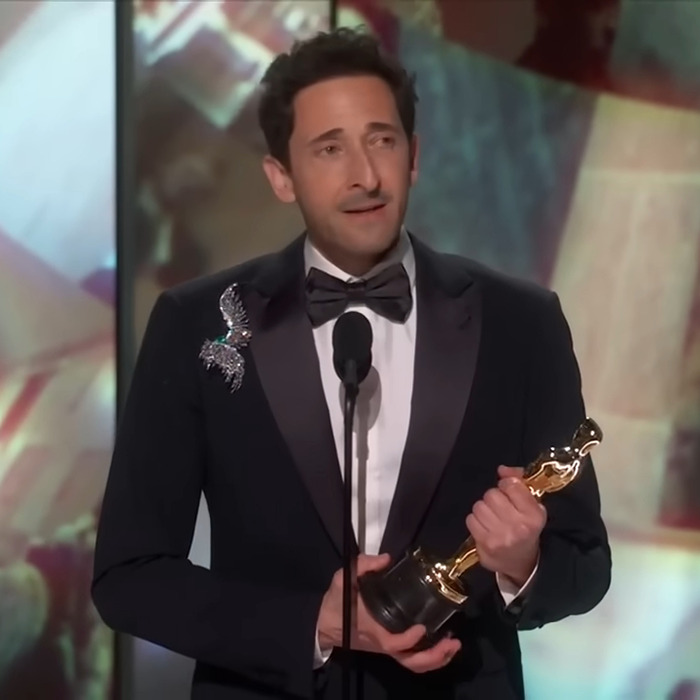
(419,589)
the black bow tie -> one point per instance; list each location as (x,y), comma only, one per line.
(387,294)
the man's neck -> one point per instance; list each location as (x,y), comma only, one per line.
(354,265)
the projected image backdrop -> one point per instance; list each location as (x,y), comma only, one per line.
(57,379)
(560,143)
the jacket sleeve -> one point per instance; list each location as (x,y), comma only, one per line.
(574,569)
(144,585)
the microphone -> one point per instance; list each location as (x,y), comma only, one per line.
(352,349)
(352,359)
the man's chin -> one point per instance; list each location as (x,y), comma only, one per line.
(375,246)
(373,236)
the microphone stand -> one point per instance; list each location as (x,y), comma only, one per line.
(351,392)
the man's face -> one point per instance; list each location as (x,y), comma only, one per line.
(351,167)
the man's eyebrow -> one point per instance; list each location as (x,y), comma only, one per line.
(326,136)
(373,127)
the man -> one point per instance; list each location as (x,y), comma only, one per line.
(235,395)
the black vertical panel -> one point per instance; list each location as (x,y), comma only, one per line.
(124,199)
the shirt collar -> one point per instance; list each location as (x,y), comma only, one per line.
(401,253)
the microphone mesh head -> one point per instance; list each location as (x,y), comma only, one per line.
(352,340)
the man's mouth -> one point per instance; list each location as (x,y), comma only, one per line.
(365,209)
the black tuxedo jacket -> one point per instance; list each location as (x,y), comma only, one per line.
(496,382)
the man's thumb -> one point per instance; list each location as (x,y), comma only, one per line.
(368,562)
(510,472)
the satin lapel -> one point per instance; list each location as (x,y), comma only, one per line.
(447,345)
(286,361)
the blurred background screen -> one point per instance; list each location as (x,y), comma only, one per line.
(57,341)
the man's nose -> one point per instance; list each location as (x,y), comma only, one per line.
(364,172)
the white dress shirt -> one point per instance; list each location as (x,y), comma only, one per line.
(383,408)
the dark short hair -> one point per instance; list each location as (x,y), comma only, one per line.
(338,53)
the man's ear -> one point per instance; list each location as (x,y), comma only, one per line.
(413,156)
(279,179)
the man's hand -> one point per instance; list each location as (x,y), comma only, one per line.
(368,635)
(506,525)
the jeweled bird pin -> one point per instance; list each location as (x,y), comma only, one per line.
(224,351)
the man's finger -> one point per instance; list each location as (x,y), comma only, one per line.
(499,502)
(404,641)
(510,472)
(486,517)
(431,659)
(476,529)
(518,494)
